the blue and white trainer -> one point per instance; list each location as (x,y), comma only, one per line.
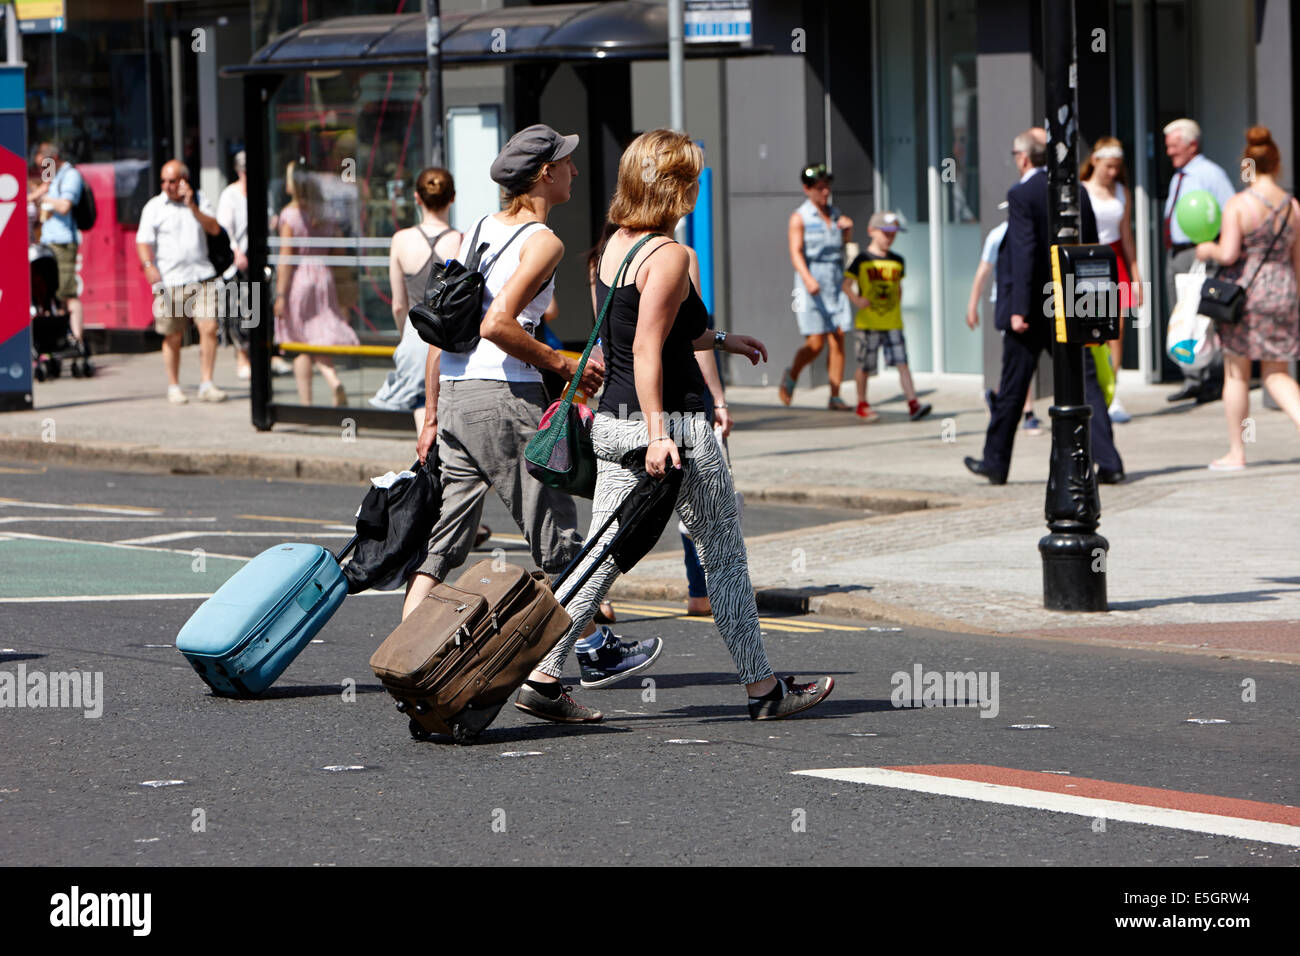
(613,659)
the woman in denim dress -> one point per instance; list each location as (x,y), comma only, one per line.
(818,233)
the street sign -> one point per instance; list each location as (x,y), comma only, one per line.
(40,16)
(718,21)
(15,272)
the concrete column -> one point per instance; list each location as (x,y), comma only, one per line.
(1274,92)
(1010,84)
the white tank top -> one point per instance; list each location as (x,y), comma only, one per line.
(1109,212)
(487,361)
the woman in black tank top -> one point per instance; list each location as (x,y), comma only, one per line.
(654,401)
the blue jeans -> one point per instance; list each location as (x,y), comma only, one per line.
(695,585)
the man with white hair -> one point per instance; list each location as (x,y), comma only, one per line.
(1192,171)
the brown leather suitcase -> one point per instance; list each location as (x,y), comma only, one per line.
(458,657)
(455,661)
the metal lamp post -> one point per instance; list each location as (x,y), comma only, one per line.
(1074,555)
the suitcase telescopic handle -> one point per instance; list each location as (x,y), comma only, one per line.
(347,548)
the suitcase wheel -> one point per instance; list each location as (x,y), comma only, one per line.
(417,732)
(464,735)
(402,706)
(472,721)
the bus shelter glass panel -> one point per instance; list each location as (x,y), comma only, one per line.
(344,149)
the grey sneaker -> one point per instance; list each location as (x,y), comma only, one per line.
(794,698)
(563,710)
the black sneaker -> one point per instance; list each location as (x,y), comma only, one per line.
(616,659)
(794,698)
(563,710)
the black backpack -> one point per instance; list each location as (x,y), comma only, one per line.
(84,212)
(452,311)
(220,252)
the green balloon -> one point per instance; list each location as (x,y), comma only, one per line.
(1198,215)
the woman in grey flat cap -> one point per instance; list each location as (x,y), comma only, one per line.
(489,400)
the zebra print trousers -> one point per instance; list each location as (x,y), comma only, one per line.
(707,506)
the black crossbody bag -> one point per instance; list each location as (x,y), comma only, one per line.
(1224,301)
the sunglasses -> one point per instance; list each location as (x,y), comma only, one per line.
(812,174)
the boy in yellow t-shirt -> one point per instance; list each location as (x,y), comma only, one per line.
(874,284)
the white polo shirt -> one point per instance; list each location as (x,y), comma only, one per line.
(179,243)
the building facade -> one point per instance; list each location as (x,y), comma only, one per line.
(913,104)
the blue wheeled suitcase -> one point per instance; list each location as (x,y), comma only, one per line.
(244,636)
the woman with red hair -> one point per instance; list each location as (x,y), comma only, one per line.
(1259,252)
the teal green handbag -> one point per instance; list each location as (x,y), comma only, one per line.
(560,455)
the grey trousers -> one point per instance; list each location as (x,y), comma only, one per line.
(707,506)
(483,426)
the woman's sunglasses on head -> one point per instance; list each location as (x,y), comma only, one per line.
(815,175)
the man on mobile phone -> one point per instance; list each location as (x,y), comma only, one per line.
(173,248)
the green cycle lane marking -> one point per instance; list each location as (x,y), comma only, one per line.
(32,567)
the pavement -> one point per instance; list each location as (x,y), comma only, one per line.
(1199,562)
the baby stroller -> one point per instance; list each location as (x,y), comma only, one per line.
(52,342)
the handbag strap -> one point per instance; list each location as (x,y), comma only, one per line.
(475,250)
(1269,250)
(604,309)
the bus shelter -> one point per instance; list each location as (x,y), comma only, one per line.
(333,123)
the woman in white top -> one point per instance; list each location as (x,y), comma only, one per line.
(1102,174)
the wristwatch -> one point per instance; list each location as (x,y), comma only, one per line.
(719,341)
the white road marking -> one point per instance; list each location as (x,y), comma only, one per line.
(86,519)
(1211,823)
(74,598)
(188,552)
(106,509)
(182,535)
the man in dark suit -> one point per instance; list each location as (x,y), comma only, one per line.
(1024,271)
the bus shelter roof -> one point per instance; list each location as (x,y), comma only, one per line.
(623,30)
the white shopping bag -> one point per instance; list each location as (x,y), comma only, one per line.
(1191,339)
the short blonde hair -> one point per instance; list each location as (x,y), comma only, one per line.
(654,177)
(1187,130)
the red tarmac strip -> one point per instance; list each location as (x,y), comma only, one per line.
(1105,790)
